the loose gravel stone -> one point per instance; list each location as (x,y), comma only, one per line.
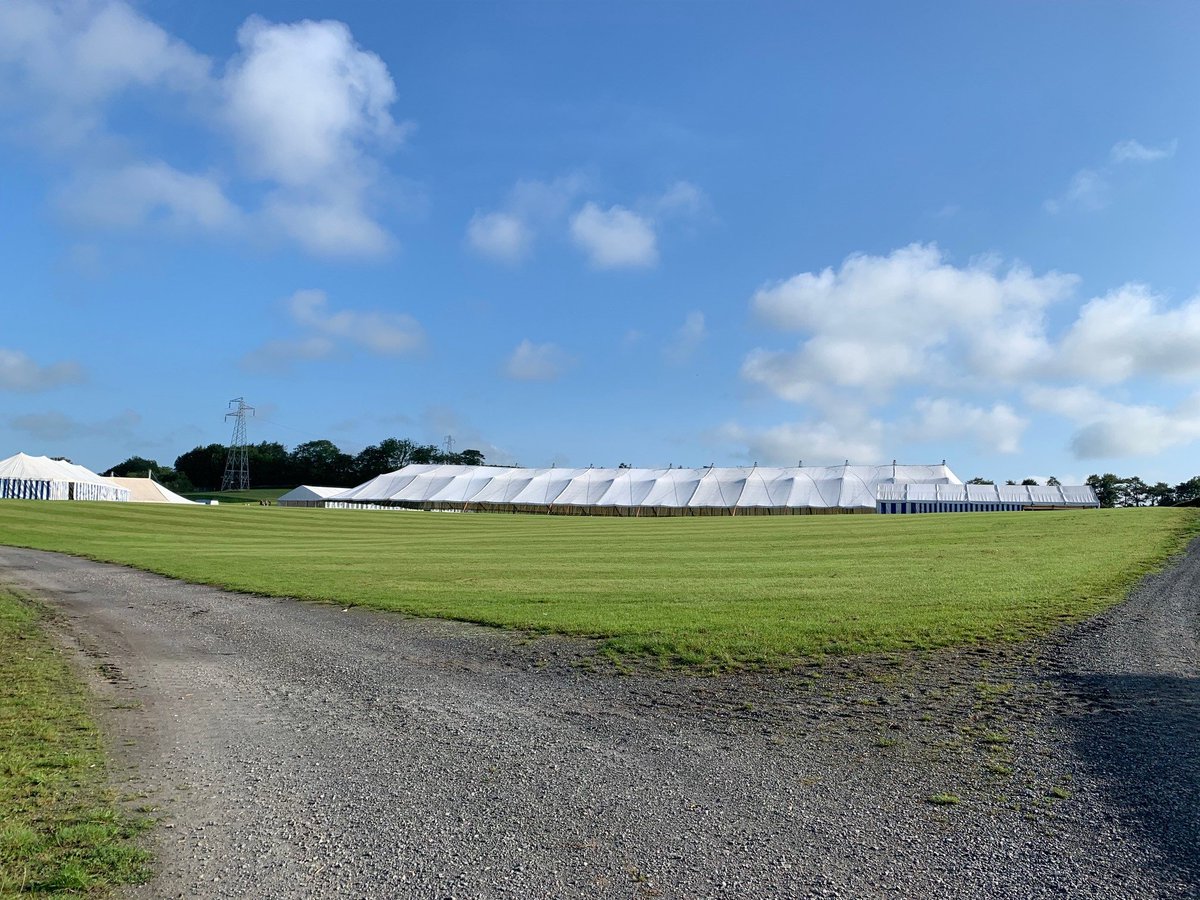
(299,750)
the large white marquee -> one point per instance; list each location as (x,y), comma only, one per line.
(24,477)
(719,491)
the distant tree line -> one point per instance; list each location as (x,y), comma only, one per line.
(273,465)
(1027,481)
(1114,490)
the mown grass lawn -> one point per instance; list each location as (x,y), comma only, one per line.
(61,834)
(708,591)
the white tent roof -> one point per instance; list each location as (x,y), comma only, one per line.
(43,468)
(382,487)
(42,478)
(845,487)
(147,490)
(308,492)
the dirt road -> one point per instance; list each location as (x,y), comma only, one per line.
(299,750)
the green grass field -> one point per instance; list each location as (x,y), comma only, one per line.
(251,496)
(61,833)
(706,591)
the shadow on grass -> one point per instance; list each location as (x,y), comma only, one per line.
(1142,744)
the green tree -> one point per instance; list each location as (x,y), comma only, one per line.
(1107,488)
(388,455)
(1134,492)
(471,458)
(134,467)
(1161,494)
(1053,482)
(203,466)
(270,464)
(1188,490)
(1029,482)
(978,480)
(322,463)
(174,480)
(425,454)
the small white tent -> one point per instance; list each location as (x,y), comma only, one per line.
(147,490)
(307,495)
(24,477)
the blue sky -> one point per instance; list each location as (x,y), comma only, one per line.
(591,233)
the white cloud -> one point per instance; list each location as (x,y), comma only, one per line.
(147,193)
(305,100)
(994,430)
(536,362)
(1111,429)
(1090,188)
(328,333)
(1135,151)
(687,339)
(1076,403)
(306,109)
(681,199)
(20,373)
(955,334)
(614,238)
(56,426)
(507,235)
(881,321)
(813,442)
(281,356)
(67,60)
(500,236)
(308,106)
(545,201)
(1129,332)
(1138,431)
(328,225)
(823,362)
(386,334)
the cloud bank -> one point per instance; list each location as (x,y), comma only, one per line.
(304,110)
(20,373)
(964,352)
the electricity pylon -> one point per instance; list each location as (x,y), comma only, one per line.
(237,461)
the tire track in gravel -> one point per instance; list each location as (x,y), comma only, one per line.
(296,750)
(1138,667)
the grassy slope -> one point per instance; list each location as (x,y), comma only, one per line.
(60,834)
(705,590)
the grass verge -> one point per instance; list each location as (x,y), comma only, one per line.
(61,832)
(710,592)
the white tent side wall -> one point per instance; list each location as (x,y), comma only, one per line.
(24,477)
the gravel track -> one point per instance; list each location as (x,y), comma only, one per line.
(298,750)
